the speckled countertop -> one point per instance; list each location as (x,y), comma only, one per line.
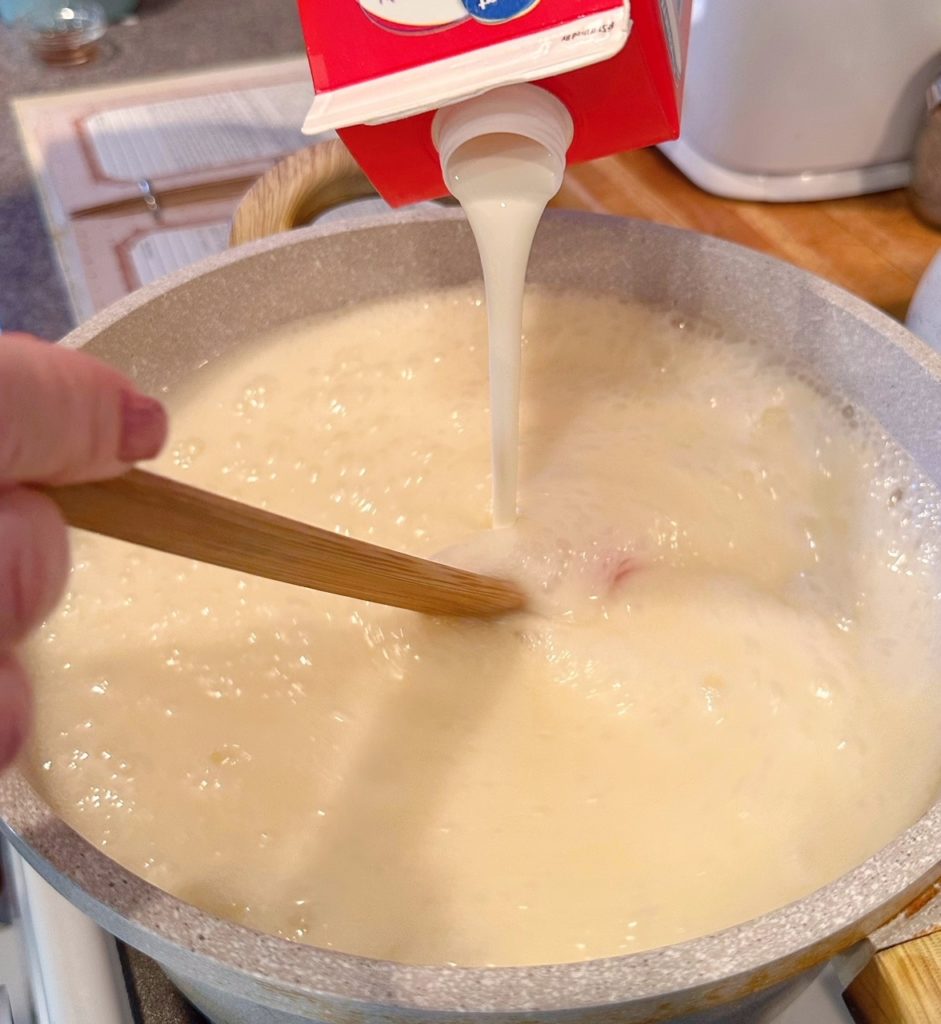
(166,35)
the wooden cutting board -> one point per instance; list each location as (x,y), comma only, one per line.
(872,245)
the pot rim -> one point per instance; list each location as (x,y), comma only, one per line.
(718,967)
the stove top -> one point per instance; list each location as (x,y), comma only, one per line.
(153,999)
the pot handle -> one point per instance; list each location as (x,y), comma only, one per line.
(298,189)
(900,985)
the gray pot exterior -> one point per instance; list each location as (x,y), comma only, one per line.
(224,1008)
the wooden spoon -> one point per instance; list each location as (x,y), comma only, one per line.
(156,512)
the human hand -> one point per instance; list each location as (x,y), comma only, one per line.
(64,418)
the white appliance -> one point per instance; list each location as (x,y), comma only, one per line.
(805,99)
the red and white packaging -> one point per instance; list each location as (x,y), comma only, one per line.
(381,69)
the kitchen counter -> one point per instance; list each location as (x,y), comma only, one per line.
(873,245)
(166,36)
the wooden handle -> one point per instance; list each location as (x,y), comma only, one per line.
(297,189)
(156,512)
(900,985)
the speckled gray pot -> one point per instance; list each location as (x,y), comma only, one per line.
(164,332)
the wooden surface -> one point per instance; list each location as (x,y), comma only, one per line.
(873,245)
(160,513)
(901,985)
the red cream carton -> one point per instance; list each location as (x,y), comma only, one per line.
(382,68)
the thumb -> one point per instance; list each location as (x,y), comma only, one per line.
(65,417)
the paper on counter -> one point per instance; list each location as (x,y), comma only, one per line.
(157,140)
(164,252)
(88,147)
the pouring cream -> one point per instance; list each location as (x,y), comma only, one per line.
(503,182)
(503,157)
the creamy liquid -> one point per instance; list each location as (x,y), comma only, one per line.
(725,696)
(503,183)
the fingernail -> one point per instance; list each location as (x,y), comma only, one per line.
(143,427)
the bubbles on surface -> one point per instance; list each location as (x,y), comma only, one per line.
(718,561)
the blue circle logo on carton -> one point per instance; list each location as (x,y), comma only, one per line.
(421,17)
(494,11)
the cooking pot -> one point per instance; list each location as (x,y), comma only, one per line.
(164,332)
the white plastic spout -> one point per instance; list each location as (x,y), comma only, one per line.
(524,110)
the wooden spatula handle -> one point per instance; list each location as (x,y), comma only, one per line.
(160,513)
(900,985)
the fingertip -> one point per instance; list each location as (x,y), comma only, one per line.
(143,427)
(16,708)
(67,417)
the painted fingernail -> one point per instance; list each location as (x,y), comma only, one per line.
(143,427)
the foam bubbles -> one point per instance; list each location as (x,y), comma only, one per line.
(732,643)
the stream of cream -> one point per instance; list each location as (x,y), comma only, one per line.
(504,182)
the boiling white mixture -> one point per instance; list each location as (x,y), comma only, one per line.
(724,696)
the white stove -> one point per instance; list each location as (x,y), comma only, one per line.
(58,967)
